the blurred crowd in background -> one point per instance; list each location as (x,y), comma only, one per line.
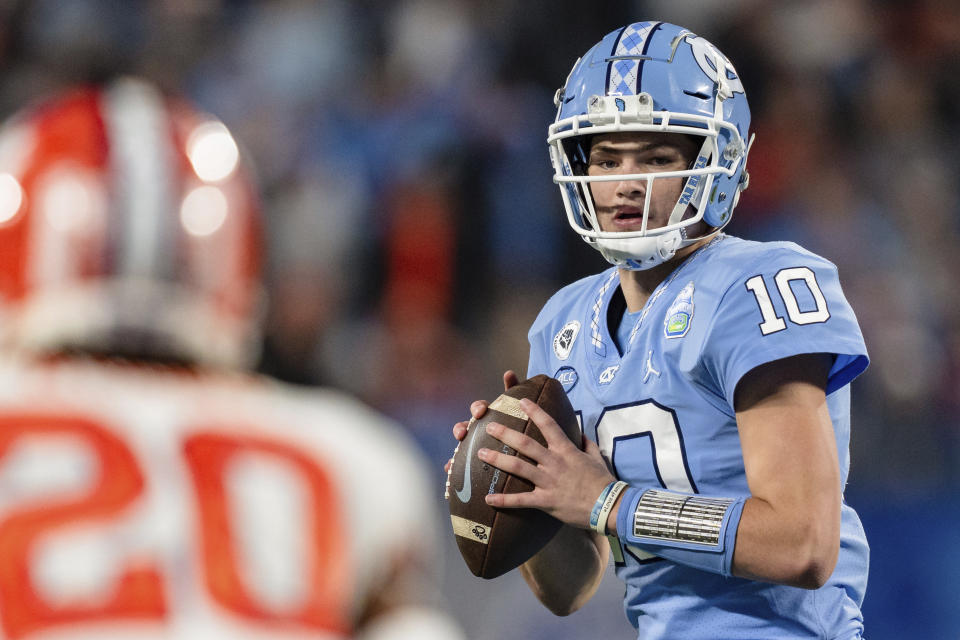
(414,231)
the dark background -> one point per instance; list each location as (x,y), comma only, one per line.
(414,230)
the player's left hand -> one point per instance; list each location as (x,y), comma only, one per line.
(566,480)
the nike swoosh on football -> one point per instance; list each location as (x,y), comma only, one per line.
(466,491)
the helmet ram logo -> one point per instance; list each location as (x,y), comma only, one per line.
(707,57)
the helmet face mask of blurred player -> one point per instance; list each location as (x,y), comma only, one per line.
(128,227)
(652,79)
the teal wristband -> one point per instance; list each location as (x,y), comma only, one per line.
(598,505)
(601,525)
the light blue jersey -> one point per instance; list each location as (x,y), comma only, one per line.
(662,413)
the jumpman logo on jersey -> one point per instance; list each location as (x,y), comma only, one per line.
(650,368)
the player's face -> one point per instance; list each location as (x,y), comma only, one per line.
(619,203)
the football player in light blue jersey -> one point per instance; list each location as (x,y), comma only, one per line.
(710,374)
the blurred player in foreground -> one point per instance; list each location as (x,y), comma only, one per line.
(711,374)
(149,486)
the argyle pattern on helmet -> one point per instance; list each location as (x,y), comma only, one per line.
(623,73)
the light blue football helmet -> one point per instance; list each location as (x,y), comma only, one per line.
(656,77)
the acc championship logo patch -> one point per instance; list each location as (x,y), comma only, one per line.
(680,314)
(563,341)
(567,377)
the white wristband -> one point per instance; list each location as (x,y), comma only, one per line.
(601,524)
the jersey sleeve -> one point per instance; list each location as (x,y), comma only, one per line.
(539,355)
(785,304)
(540,336)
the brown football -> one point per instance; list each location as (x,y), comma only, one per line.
(494,541)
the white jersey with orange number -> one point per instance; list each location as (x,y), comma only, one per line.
(142,504)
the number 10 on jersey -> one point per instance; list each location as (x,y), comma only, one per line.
(784,279)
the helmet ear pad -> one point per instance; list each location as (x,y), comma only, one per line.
(719,206)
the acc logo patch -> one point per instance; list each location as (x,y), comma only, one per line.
(680,314)
(567,376)
(563,341)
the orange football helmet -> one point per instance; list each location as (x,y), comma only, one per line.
(129,226)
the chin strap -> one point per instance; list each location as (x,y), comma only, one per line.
(639,254)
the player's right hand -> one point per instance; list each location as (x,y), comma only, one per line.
(477,409)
